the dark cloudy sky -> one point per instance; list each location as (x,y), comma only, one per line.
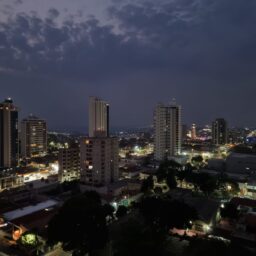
(133,53)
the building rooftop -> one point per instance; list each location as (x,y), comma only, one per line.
(117,185)
(12,215)
(206,208)
(242,156)
(8,100)
(32,117)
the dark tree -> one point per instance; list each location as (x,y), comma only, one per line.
(80,225)
(158,191)
(121,211)
(171,181)
(167,167)
(136,239)
(229,211)
(228,185)
(165,213)
(109,211)
(197,161)
(147,185)
(193,178)
(189,168)
(207,183)
(181,175)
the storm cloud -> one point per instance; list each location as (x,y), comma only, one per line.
(202,52)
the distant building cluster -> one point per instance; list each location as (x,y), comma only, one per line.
(94,160)
(30,142)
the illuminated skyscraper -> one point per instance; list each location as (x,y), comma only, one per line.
(98,118)
(167,131)
(219,132)
(33,137)
(9,143)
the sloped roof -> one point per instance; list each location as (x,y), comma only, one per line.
(12,215)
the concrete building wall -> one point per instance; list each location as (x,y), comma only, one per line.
(69,164)
(98,118)
(168,131)
(9,141)
(219,132)
(99,161)
(10,181)
(33,137)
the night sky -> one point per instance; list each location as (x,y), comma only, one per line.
(54,54)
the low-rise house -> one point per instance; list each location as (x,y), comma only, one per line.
(207,209)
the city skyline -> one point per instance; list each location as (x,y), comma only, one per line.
(113,128)
(132,53)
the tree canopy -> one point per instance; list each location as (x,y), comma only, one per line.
(121,211)
(80,224)
(147,185)
(137,239)
(166,167)
(166,213)
(171,180)
(229,211)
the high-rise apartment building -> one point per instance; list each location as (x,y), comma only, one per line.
(99,152)
(9,142)
(98,118)
(99,161)
(219,132)
(184,132)
(168,131)
(193,132)
(33,137)
(69,164)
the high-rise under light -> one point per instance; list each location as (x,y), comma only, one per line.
(219,131)
(9,143)
(99,152)
(98,118)
(167,131)
(193,132)
(33,137)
